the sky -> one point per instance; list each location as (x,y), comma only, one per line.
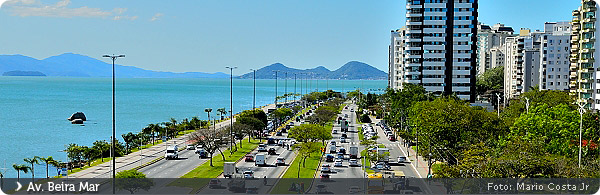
(207,36)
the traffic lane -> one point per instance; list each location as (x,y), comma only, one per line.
(395,152)
(271,171)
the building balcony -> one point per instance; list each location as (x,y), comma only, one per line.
(413,23)
(589,9)
(589,60)
(592,29)
(590,50)
(413,40)
(589,20)
(593,39)
(576,13)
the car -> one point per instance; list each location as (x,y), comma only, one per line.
(262,148)
(190,147)
(354,190)
(249,158)
(326,168)
(249,174)
(338,163)
(345,135)
(334,131)
(382,166)
(352,110)
(214,183)
(280,143)
(392,138)
(332,142)
(402,159)
(280,161)
(342,150)
(340,155)
(271,151)
(292,123)
(279,133)
(353,162)
(329,158)
(342,140)
(324,177)
(346,115)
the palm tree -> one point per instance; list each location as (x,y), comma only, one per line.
(222,112)
(56,164)
(20,168)
(47,160)
(32,161)
(208,110)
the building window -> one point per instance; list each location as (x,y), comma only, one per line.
(551,83)
(558,83)
(549,76)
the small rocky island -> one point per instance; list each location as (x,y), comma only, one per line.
(77,118)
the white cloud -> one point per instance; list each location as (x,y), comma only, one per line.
(26,8)
(156,17)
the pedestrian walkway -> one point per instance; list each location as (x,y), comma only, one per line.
(141,157)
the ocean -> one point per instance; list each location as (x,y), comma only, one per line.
(34,110)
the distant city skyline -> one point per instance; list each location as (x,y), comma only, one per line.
(206,36)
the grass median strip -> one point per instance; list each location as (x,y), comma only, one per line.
(307,172)
(206,171)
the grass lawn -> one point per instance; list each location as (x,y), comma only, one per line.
(368,163)
(94,163)
(206,171)
(306,173)
(381,146)
(360,134)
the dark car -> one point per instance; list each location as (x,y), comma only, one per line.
(343,150)
(392,138)
(271,141)
(271,151)
(249,158)
(344,135)
(329,158)
(279,133)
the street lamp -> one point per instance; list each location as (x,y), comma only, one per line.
(254,96)
(527,104)
(113,57)
(581,111)
(498,95)
(231,106)
(295,87)
(285,92)
(276,71)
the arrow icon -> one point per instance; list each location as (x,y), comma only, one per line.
(19,186)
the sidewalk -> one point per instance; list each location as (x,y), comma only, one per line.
(141,157)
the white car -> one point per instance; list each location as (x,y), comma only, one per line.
(334,131)
(342,140)
(280,161)
(248,174)
(338,163)
(190,147)
(262,148)
(353,162)
(326,168)
(354,190)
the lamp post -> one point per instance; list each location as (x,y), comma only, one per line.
(113,57)
(498,95)
(254,95)
(276,71)
(231,106)
(527,104)
(343,80)
(295,87)
(581,111)
(285,92)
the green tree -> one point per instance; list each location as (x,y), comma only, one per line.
(252,123)
(492,79)
(364,118)
(133,181)
(56,164)
(308,133)
(102,147)
(32,161)
(304,152)
(131,141)
(20,168)
(48,161)
(222,112)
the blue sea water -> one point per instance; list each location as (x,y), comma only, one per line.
(34,110)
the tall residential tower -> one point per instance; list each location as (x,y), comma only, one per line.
(584,78)
(440,44)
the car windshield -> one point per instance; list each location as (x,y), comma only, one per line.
(170,151)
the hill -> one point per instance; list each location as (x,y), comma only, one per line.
(75,65)
(352,70)
(23,73)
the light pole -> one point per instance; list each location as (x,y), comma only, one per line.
(276,71)
(498,95)
(343,80)
(141,148)
(285,92)
(295,87)
(581,111)
(254,96)
(231,107)
(527,104)
(113,57)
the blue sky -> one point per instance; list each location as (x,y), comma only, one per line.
(206,36)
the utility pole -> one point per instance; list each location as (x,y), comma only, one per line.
(113,57)
(295,87)
(527,104)
(254,96)
(231,107)
(498,95)
(276,71)
(581,111)
(285,94)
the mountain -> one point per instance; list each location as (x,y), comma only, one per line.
(23,73)
(352,70)
(75,65)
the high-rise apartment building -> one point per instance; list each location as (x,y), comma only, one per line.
(584,76)
(396,57)
(490,46)
(555,49)
(440,44)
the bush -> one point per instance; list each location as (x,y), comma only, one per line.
(364,118)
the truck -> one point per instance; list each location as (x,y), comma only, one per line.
(260,160)
(353,152)
(229,169)
(383,154)
(172,152)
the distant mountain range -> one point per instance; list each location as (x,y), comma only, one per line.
(75,65)
(352,70)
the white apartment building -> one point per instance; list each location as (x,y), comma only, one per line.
(537,59)
(440,44)
(584,75)
(396,57)
(490,46)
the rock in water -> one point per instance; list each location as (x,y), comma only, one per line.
(77,115)
(77,121)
